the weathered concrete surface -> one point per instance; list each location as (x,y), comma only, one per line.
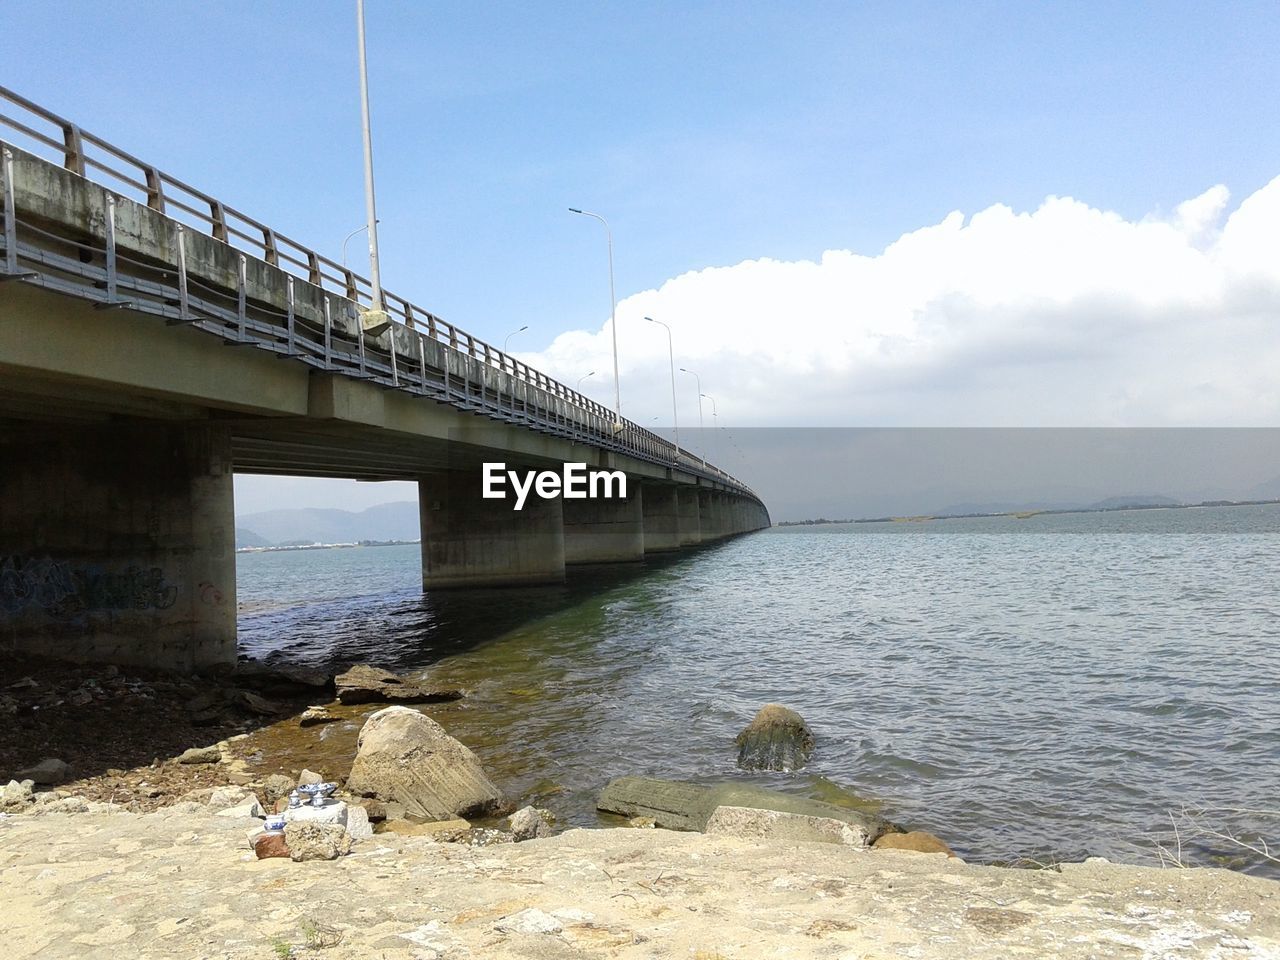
(165,885)
(690,520)
(468,541)
(661,519)
(604,531)
(117,543)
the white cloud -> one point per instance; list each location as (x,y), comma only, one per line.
(1067,315)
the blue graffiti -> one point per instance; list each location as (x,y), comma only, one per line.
(58,589)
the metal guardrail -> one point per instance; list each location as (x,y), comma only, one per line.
(105,274)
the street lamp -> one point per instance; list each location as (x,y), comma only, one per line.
(701,438)
(348,240)
(715,422)
(378,323)
(512,334)
(583,377)
(613,314)
(671,356)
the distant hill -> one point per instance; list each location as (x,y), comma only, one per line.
(386,521)
(248,538)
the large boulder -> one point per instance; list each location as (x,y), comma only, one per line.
(49,772)
(316,841)
(674,805)
(366,684)
(777,739)
(405,757)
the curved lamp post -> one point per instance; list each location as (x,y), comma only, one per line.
(671,356)
(583,377)
(698,380)
(613,314)
(512,334)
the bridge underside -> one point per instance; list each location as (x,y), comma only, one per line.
(117,523)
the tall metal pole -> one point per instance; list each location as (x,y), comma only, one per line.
(613,314)
(671,355)
(715,424)
(701,436)
(371,209)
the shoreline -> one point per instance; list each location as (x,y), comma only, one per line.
(182,884)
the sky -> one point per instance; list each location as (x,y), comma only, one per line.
(850,214)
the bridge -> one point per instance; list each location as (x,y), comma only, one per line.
(124,415)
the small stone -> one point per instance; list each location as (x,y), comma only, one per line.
(358,826)
(61,805)
(307,776)
(916,841)
(316,841)
(111,670)
(376,809)
(314,716)
(222,797)
(19,791)
(250,808)
(79,697)
(642,823)
(530,823)
(200,755)
(532,920)
(270,845)
(445,831)
(47,772)
(276,786)
(259,705)
(776,739)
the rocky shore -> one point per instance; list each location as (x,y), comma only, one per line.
(420,854)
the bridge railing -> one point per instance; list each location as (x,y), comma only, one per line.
(46,134)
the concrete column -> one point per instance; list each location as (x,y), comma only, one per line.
(604,531)
(661,519)
(706,516)
(117,544)
(468,541)
(690,521)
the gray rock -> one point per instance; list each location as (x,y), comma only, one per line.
(366,684)
(358,826)
(529,823)
(314,716)
(316,841)
(779,827)
(222,797)
(200,755)
(249,808)
(405,757)
(16,795)
(61,805)
(49,771)
(276,786)
(777,739)
(687,806)
(308,776)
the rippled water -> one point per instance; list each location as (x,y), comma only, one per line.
(1044,688)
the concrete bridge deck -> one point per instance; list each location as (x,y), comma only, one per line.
(123,415)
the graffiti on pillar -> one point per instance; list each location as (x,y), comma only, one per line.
(43,583)
(59,589)
(209,594)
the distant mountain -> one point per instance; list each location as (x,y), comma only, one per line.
(1270,490)
(247,538)
(386,521)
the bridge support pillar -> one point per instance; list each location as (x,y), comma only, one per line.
(690,519)
(117,544)
(468,541)
(708,516)
(661,519)
(604,531)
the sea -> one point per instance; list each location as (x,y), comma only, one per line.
(1032,690)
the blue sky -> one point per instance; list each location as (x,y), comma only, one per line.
(779,178)
(707,133)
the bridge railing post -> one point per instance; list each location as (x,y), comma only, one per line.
(10,215)
(184,295)
(73,149)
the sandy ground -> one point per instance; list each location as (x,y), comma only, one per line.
(179,884)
